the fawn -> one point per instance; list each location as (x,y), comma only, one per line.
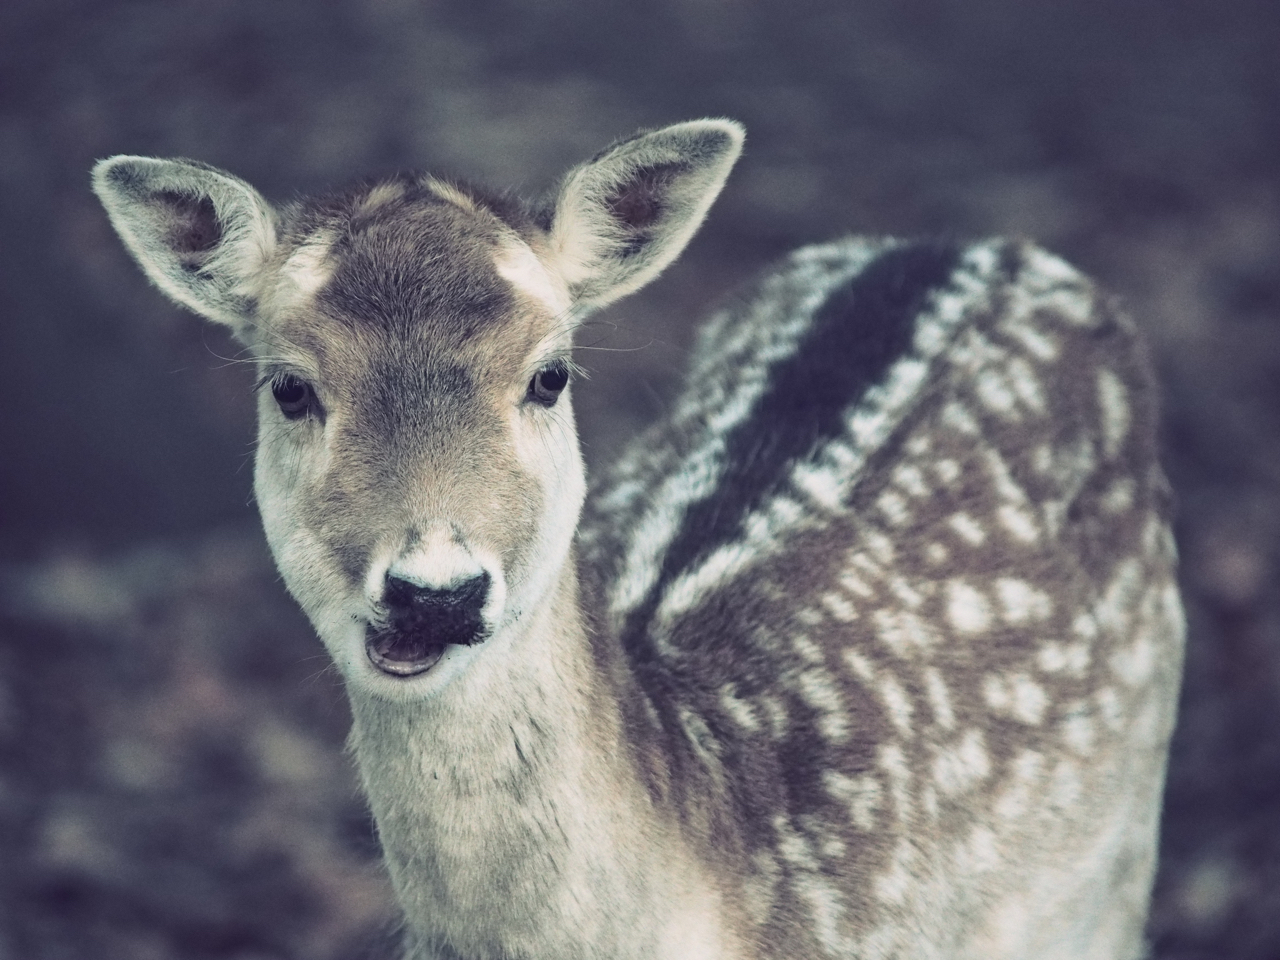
(870,649)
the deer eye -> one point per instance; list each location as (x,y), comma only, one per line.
(294,395)
(547,383)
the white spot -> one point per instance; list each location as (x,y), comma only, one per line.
(948,470)
(740,710)
(380,196)
(1008,490)
(854,584)
(1051,658)
(903,632)
(1135,663)
(817,690)
(438,561)
(826,909)
(905,593)
(967,609)
(1017,695)
(806,649)
(792,847)
(864,564)
(929,803)
(867,426)
(621,496)
(823,487)
(1016,799)
(1055,515)
(1026,385)
(860,665)
(785,512)
(967,528)
(1085,626)
(1118,497)
(1039,345)
(1056,287)
(519,266)
(994,393)
(894,507)
(1120,597)
(893,885)
(939,698)
(1078,658)
(810,617)
(1019,522)
(1029,699)
(776,713)
(962,767)
(1078,729)
(766,639)
(879,546)
(1113,400)
(1109,708)
(897,703)
(699,736)
(1042,459)
(450,194)
(687,592)
(911,479)
(995,691)
(936,553)
(919,445)
(958,418)
(311,266)
(1157,540)
(759,886)
(863,794)
(839,607)
(891,760)
(1021,602)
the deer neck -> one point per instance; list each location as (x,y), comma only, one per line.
(511,802)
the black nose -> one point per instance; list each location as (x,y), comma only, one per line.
(449,615)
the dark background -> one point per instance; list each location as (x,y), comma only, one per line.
(171,777)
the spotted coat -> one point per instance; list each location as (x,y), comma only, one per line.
(898,581)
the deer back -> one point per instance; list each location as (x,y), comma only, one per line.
(897,581)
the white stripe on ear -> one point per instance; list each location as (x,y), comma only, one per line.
(203,236)
(622,218)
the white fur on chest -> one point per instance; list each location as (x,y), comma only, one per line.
(508,833)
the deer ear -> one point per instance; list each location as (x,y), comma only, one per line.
(203,236)
(620,219)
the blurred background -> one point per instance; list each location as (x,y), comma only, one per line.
(172,783)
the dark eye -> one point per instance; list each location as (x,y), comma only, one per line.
(295,396)
(547,383)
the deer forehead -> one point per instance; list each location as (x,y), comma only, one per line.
(400,286)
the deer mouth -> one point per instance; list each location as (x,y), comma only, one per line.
(407,647)
(402,653)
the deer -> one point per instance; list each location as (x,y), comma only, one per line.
(869,648)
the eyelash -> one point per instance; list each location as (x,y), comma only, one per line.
(294,395)
(549,382)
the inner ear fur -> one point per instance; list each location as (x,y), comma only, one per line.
(202,236)
(620,219)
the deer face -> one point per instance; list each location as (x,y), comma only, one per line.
(418,471)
